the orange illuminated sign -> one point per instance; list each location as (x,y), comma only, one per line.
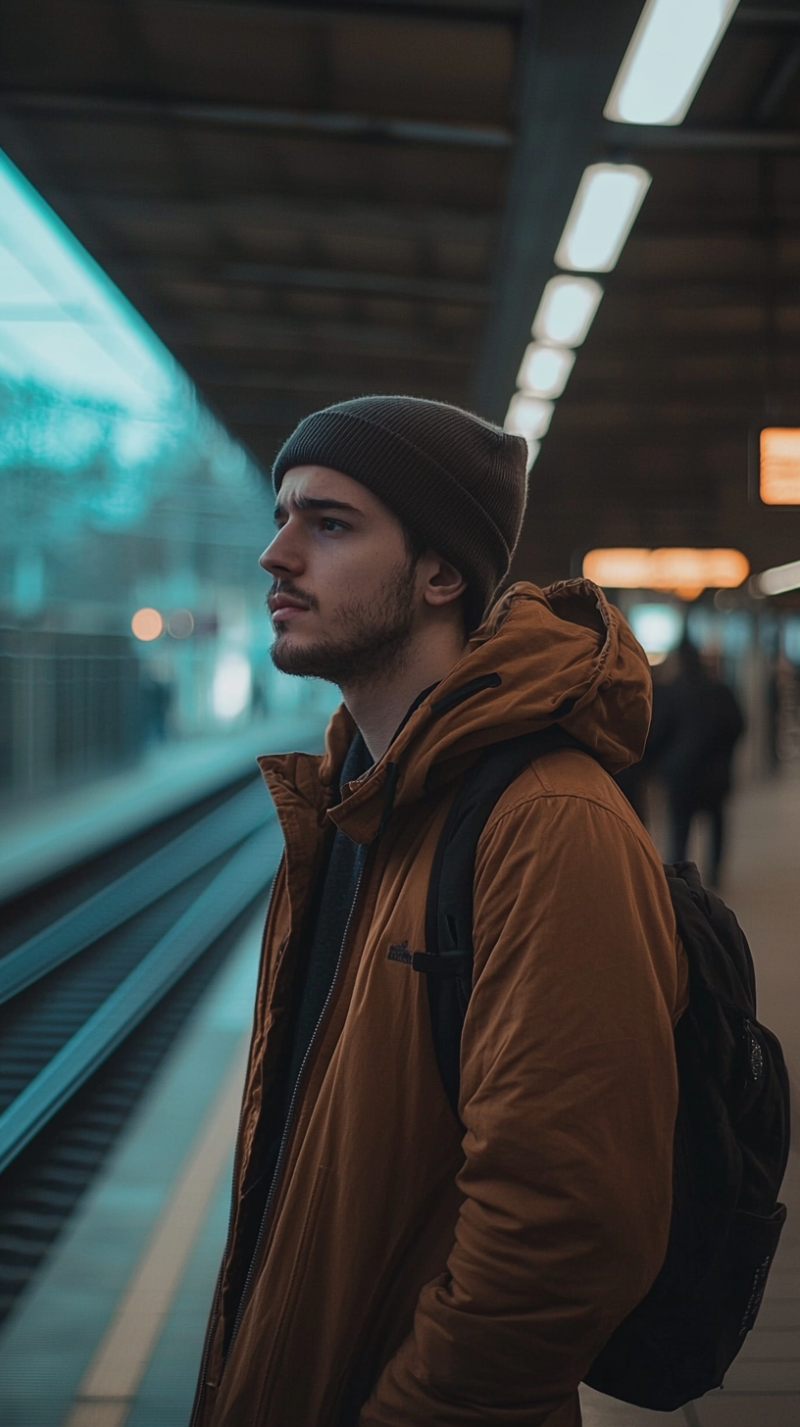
(779,465)
(681,569)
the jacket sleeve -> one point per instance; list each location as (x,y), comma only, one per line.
(568,1098)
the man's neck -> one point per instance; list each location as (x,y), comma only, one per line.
(379,707)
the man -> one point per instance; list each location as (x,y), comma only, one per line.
(389,1264)
(697,723)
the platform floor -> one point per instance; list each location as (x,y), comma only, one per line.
(111,1334)
(762,884)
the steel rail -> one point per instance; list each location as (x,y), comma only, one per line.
(230,893)
(188,853)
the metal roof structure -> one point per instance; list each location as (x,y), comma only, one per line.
(309,201)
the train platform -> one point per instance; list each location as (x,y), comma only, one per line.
(110,1333)
(42,838)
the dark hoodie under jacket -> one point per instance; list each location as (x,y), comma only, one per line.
(412,1268)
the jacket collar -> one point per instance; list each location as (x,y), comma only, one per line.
(561,655)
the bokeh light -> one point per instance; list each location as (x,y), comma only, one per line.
(233,684)
(147,624)
(180,623)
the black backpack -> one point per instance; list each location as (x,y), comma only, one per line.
(732,1129)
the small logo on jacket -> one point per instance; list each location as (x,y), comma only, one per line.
(400,952)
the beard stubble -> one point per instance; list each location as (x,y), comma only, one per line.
(373,642)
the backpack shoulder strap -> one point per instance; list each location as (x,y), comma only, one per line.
(447,959)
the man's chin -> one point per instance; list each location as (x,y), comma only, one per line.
(290,656)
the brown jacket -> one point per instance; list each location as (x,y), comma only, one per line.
(411,1269)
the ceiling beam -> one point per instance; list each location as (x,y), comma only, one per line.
(775,17)
(271,413)
(242,375)
(777,84)
(597,416)
(314,336)
(451,12)
(686,288)
(283,278)
(379,218)
(569,55)
(344,215)
(685,139)
(361,128)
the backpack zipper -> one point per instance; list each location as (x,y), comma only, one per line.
(288,1125)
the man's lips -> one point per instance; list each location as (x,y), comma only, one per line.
(287,612)
(283,608)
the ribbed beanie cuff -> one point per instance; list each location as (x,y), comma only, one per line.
(457,481)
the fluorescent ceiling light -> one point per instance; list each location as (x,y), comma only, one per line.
(545,370)
(567,310)
(779,579)
(529,416)
(534,447)
(671,49)
(603,211)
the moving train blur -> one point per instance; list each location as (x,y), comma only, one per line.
(217,216)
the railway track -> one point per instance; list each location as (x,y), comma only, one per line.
(98,970)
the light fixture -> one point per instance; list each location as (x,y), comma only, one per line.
(534,447)
(779,465)
(671,49)
(147,624)
(528,416)
(232,688)
(779,580)
(180,623)
(545,369)
(567,310)
(658,628)
(683,570)
(608,199)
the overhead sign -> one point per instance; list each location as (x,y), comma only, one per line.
(779,465)
(681,569)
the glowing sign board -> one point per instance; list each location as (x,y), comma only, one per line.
(684,570)
(779,465)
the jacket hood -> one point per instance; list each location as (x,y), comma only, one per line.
(561,655)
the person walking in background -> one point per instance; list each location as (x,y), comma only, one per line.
(697,723)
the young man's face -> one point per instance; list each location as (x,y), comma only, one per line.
(344,598)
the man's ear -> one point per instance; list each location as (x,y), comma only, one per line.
(444,583)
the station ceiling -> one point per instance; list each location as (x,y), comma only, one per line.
(310,202)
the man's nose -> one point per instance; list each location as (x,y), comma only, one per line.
(282,556)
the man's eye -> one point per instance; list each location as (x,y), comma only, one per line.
(328,523)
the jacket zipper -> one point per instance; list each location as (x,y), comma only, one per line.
(288,1126)
(214,1320)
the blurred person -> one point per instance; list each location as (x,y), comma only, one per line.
(156,695)
(697,723)
(390,1263)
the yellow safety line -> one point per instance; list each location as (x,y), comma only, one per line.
(109,1386)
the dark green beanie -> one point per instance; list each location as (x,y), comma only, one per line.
(456,480)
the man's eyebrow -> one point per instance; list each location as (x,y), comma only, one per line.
(307,502)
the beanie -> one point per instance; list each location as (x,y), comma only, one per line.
(455,480)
